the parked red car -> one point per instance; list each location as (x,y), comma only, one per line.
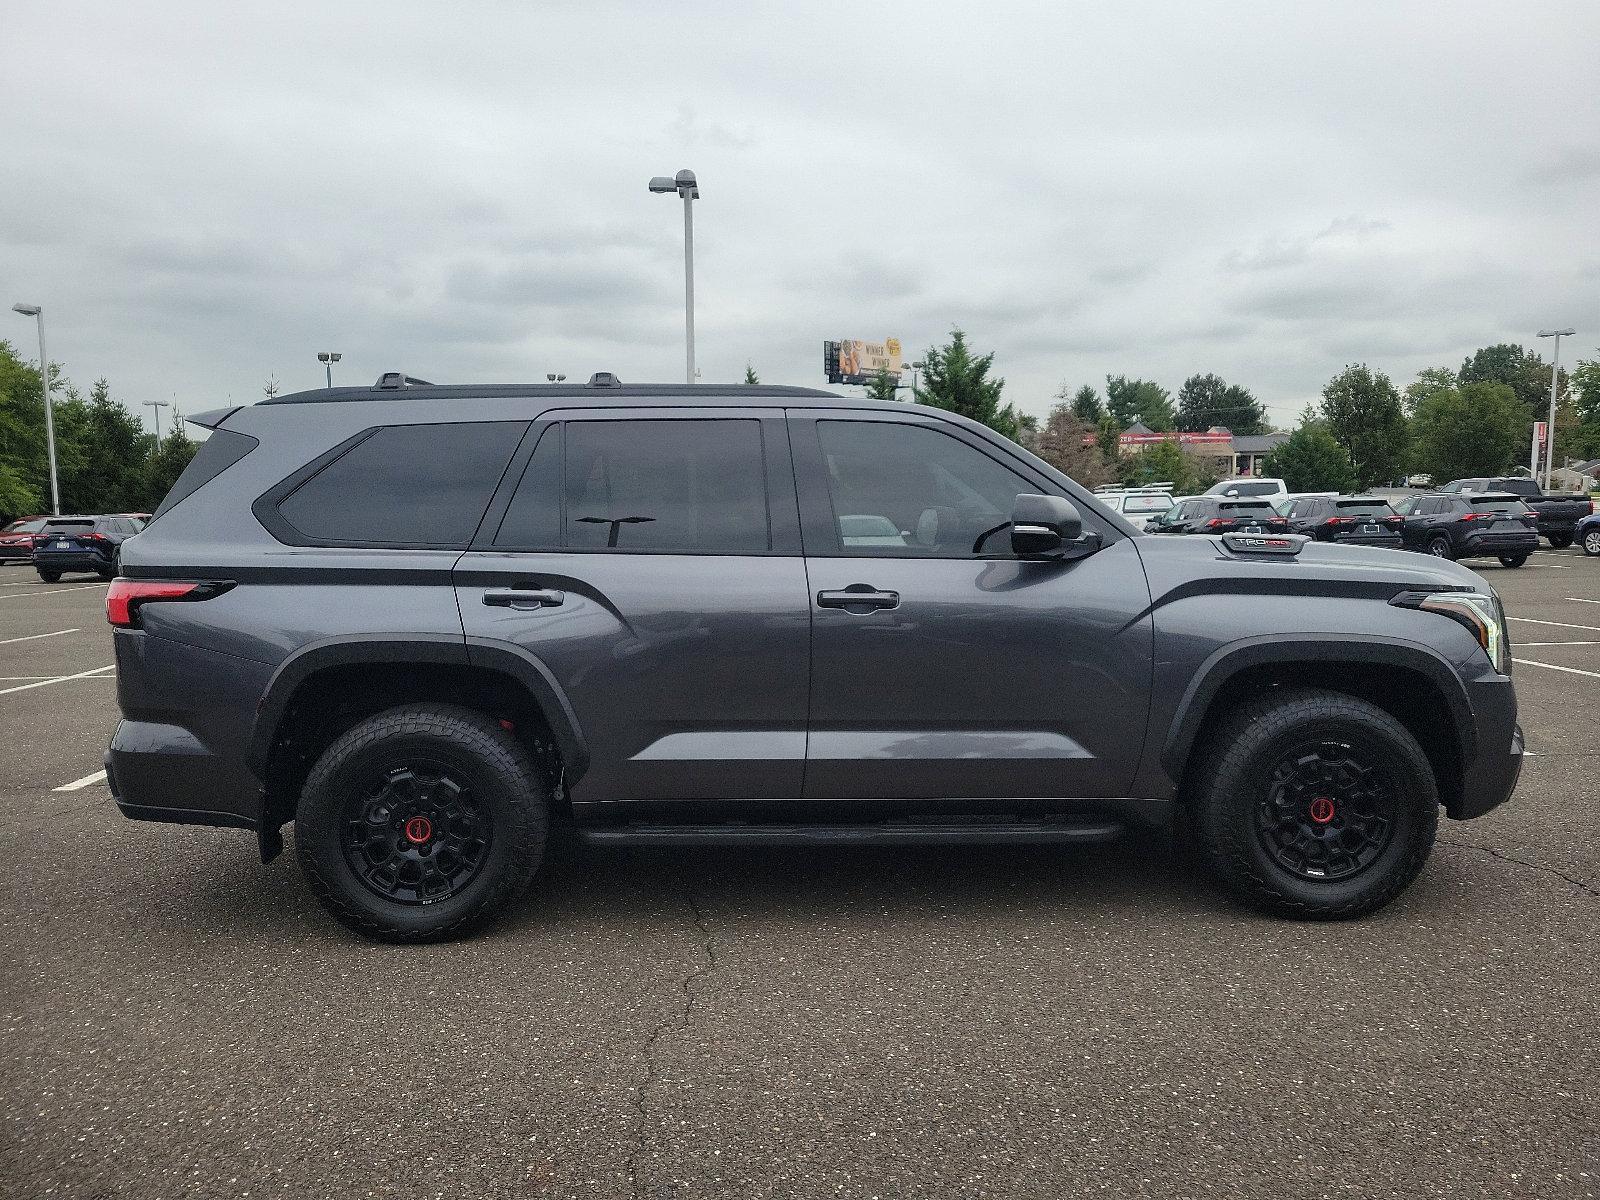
(16,539)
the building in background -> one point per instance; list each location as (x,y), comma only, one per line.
(1229,455)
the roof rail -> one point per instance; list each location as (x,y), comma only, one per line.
(390,380)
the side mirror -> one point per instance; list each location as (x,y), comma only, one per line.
(1049,527)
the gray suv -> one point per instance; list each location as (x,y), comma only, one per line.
(429,625)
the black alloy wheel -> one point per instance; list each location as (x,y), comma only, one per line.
(418,834)
(1328,813)
(1439,547)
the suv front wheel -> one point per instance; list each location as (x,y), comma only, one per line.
(421,823)
(1314,804)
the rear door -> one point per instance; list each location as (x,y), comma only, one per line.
(648,561)
(942,666)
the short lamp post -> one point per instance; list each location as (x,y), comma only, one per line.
(327,358)
(37,313)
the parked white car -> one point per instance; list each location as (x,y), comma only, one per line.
(1249,485)
(1137,505)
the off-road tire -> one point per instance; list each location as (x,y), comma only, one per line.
(1512,560)
(50,576)
(506,785)
(1437,541)
(1234,772)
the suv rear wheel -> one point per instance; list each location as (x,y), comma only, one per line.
(1439,546)
(1512,560)
(1314,804)
(421,823)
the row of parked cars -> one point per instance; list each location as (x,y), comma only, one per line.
(1466,518)
(58,546)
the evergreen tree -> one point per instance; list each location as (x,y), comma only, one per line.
(957,381)
(882,386)
(1207,400)
(750,376)
(1131,400)
(1085,403)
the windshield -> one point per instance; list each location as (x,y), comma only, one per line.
(1365,507)
(26,526)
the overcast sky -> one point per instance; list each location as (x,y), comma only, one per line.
(204,195)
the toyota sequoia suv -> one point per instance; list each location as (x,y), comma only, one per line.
(429,625)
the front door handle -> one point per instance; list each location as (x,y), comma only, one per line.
(858,597)
(524,598)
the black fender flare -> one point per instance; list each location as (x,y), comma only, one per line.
(508,659)
(1329,648)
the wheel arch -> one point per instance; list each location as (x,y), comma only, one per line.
(1412,682)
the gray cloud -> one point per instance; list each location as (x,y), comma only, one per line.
(1263,192)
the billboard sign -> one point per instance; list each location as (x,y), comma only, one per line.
(859,361)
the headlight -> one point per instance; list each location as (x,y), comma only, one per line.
(1482,613)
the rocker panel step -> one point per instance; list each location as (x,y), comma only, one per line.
(952,833)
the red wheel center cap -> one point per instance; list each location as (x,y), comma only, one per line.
(418,830)
(1322,810)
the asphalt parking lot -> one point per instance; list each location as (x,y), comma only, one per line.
(180,1021)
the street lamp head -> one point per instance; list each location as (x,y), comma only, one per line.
(27,310)
(335,355)
(1557,332)
(662,184)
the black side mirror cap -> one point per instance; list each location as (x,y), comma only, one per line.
(1049,527)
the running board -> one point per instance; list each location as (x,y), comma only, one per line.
(953,833)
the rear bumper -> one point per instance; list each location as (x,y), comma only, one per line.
(1500,543)
(1489,779)
(1389,541)
(86,560)
(163,773)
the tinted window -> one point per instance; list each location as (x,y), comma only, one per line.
(408,485)
(1406,506)
(72,525)
(1364,508)
(676,486)
(216,454)
(911,490)
(1253,489)
(1499,504)
(533,519)
(1249,506)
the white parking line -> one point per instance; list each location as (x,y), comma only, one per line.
(81,783)
(1581,600)
(1529,662)
(33,637)
(77,587)
(1558,624)
(1525,645)
(22,687)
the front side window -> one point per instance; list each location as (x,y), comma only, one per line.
(405,485)
(908,490)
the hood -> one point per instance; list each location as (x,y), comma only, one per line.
(1175,561)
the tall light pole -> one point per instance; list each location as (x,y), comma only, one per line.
(327,358)
(34,311)
(1550,429)
(684,184)
(158,405)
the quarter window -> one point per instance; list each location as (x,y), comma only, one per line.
(909,490)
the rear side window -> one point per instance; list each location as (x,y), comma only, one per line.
(216,454)
(422,486)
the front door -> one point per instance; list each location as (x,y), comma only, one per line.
(649,562)
(941,666)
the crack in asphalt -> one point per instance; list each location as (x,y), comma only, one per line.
(641,1098)
(1581,884)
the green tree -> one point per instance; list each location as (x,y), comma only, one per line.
(957,381)
(1131,400)
(1521,370)
(750,376)
(162,468)
(1085,403)
(1311,461)
(1163,462)
(1207,400)
(1106,440)
(1362,411)
(1430,380)
(881,386)
(1475,429)
(1067,443)
(1585,384)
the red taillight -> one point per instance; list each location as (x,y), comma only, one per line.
(1339,521)
(1394,522)
(1277,525)
(127,596)
(1473,516)
(1218,522)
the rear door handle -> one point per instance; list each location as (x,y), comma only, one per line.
(524,598)
(858,596)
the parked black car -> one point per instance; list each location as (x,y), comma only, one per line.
(1217,514)
(81,544)
(426,624)
(1489,525)
(1558,512)
(1356,520)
